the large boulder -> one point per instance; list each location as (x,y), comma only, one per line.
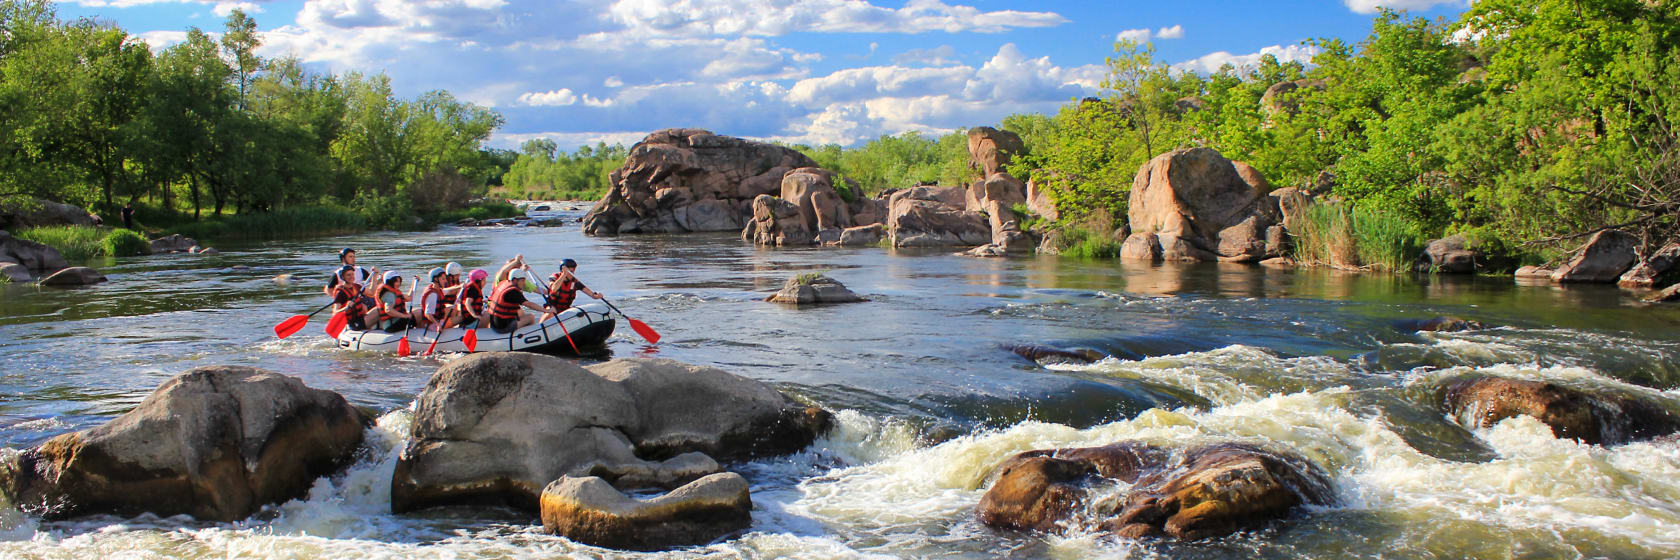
(177,243)
(590,511)
(1193,204)
(215,442)
(1602,418)
(861,235)
(23,213)
(1038,200)
(497,428)
(813,288)
(1202,492)
(820,206)
(1604,258)
(680,180)
(776,221)
(73,276)
(34,256)
(990,149)
(1652,269)
(1450,254)
(927,216)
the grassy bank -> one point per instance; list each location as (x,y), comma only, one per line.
(80,243)
(1337,236)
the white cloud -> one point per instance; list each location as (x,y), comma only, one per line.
(781,17)
(1371,6)
(612,82)
(1143,35)
(568,141)
(1210,63)
(559,97)
(159,40)
(225,8)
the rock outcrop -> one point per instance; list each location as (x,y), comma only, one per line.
(990,149)
(1193,204)
(1203,492)
(34,256)
(27,213)
(1653,269)
(215,442)
(73,276)
(590,511)
(930,216)
(1600,419)
(777,222)
(681,180)
(860,236)
(1604,258)
(497,428)
(173,243)
(1279,99)
(810,289)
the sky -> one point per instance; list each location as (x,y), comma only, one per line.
(802,71)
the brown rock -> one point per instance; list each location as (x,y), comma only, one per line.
(1278,98)
(73,276)
(1534,272)
(1604,258)
(811,289)
(215,442)
(1051,355)
(590,511)
(990,149)
(776,222)
(867,211)
(820,207)
(1189,198)
(1038,200)
(929,217)
(673,168)
(1671,293)
(1143,246)
(1292,206)
(861,235)
(33,256)
(1450,255)
(1606,419)
(177,243)
(1651,269)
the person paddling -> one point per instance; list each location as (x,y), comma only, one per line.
(469,304)
(347,257)
(563,288)
(432,310)
(509,297)
(392,304)
(348,299)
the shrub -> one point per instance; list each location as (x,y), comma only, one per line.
(1086,244)
(126,243)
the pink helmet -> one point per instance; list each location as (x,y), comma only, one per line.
(477,274)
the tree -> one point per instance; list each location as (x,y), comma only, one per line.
(239,43)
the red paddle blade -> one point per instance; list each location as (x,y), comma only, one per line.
(291,326)
(647,332)
(471,340)
(402,347)
(433,346)
(337,324)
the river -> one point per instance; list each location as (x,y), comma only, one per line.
(928,401)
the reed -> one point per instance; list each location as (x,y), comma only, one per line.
(1338,236)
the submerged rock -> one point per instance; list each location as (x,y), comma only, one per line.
(1606,419)
(73,276)
(1441,324)
(496,428)
(1671,293)
(590,511)
(1052,355)
(813,288)
(1203,492)
(215,442)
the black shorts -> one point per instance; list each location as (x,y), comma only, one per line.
(399,324)
(467,323)
(503,326)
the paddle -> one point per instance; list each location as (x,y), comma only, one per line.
(562,322)
(295,323)
(641,328)
(337,323)
(402,345)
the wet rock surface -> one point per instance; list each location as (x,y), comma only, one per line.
(589,510)
(497,428)
(216,443)
(1045,355)
(811,289)
(1202,492)
(1594,418)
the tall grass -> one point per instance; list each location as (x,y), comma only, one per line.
(1336,235)
(485,211)
(279,224)
(76,243)
(1086,244)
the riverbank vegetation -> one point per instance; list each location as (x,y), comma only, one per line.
(79,243)
(1528,123)
(205,128)
(542,171)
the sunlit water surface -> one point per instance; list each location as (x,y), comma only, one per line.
(1312,361)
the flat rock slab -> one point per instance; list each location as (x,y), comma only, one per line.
(590,511)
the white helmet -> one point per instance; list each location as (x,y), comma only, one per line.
(516,274)
(452,269)
(392,275)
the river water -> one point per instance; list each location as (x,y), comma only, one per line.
(928,400)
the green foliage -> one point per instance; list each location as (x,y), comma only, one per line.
(542,171)
(807,279)
(487,210)
(76,243)
(279,224)
(900,161)
(125,243)
(1337,236)
(1080,242)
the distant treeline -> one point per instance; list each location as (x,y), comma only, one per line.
(90,115)
(1524,121)
(542,171)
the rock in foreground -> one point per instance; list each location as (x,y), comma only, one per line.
(1203,492)
(73,276)
(496,428)
(813,288)
(590,511)
(215,442)
(1480,402)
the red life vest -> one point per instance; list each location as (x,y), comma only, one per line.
(500,307)
(562,294)
(400,305)
(472,297)
(448,298)
(437,312)
(355,306)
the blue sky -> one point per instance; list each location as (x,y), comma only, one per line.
(812,71)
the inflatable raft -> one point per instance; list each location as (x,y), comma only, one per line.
(588,324)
